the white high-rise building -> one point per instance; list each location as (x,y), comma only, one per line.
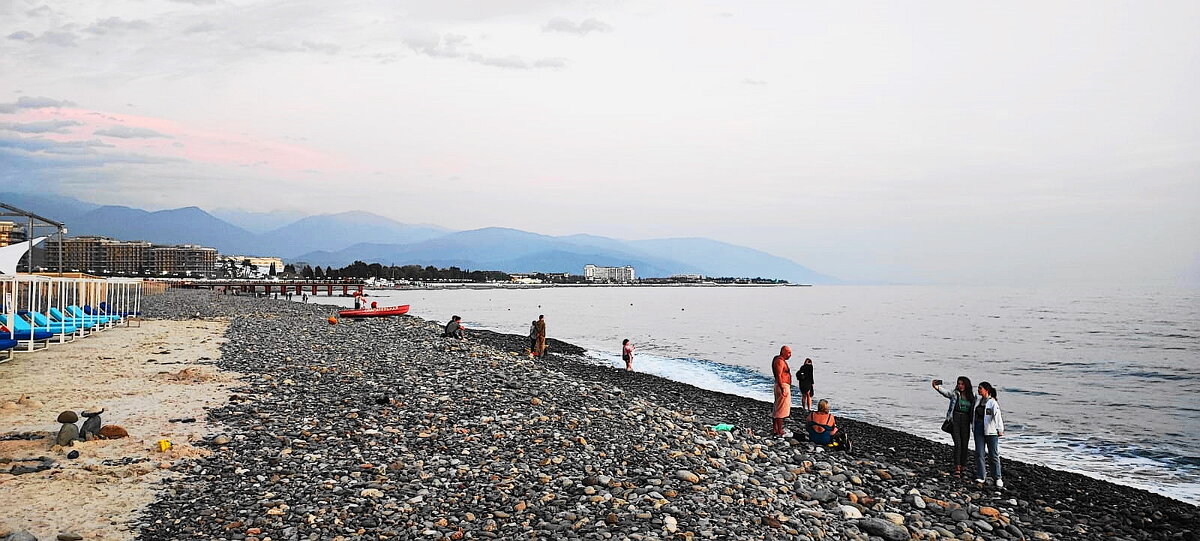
(608,274)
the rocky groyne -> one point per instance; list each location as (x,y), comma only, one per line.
(381,429)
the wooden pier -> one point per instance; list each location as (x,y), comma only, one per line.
(282,287)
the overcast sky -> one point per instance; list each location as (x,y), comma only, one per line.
(955,142)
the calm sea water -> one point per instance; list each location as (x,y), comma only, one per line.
(1105,383)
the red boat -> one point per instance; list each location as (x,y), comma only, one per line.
(375,312)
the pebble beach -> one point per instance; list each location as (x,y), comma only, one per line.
(382,429)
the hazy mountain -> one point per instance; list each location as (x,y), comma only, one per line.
(257,222)
(188,225)
(340,239)
(723,259)
(510,250)
(52,207)
(329,232)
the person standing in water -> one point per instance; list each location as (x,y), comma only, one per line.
(959,413)
(783,389)
(806,384)
(540,328)
(988,427)
(627,354)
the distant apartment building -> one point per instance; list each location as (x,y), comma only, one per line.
(258,265)
(6,233)
(104,255)
(594,273)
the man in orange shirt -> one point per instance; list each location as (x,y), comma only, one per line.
(783,389)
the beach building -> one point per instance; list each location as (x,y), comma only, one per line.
(595,273)
(252,266)
(6,233)
(105,255)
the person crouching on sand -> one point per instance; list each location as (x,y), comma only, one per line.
(627,354)
(783,389)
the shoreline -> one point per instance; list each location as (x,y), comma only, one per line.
(414,436)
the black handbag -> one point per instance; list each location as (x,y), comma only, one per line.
(948,426)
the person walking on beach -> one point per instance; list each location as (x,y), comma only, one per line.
(988,427)
(627,354)
(783,389)
(959,413)
(540,327)
(806,384)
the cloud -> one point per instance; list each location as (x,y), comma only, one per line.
(130,132)
(437,45)
(196,2)
(45,126)
(62,39)
(200,28)
(586,26)
(754,82)
(22,35)
(303,47)
(115,25)
(33,102)
(39,11)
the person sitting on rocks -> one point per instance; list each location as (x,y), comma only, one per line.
(455,329)
(823,429)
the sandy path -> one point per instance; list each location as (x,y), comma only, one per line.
(134,374)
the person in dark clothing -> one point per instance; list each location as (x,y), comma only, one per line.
(455,329)
(533,336)
(960,413)
(806,385)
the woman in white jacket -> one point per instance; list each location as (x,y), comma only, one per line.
(989,426)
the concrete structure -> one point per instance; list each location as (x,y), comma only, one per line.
(260,266)
(6,234)
(608,274)
(104,255)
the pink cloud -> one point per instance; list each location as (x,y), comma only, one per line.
(166,138)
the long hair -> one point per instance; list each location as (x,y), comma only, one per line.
(991,390)
(968,389)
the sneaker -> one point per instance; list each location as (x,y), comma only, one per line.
(999,483)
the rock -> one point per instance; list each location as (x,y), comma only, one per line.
(685,475)
(73,455)
(91,427)
(960,515)
(670,524)
(68,417)
(21,535)
(371,493)
(894,518)
(989,512)
(1041,536)
(221,440)
(850,512)
(67,434)
(69,537)
(8,405)
(112,432)
(92,411)
(884,529)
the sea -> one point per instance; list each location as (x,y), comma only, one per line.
(1103,382)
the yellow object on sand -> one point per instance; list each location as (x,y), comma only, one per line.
(163,445)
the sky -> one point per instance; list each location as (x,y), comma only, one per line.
(928,142)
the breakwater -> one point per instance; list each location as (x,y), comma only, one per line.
(382,429)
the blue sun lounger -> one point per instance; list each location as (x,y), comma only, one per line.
(7,346)
(106,309)
(85,322)
(40,321)
(79,313)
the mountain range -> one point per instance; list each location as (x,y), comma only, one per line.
(339,239)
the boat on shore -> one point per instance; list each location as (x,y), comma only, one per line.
(382,311)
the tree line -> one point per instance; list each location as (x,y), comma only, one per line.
(362,270)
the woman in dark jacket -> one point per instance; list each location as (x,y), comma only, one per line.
(959,413)
(806,384)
